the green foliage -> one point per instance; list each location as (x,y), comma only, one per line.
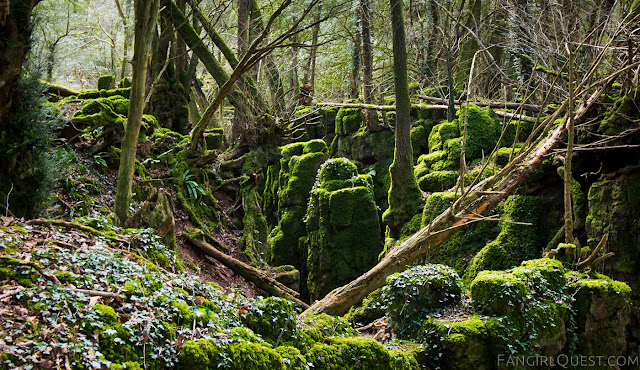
(274,319)
(409,297)
(30,162)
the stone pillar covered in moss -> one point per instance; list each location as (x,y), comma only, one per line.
(286,194)
(343,228)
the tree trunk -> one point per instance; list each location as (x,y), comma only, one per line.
(240,119)
(15,33)
(404,195)
(568,212)
(145,21)
(193,41)
(371,117)
(476,202)
(354,89)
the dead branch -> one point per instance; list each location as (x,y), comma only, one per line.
(493,105)
(256,276)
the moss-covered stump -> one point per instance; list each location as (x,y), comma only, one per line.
(157,213)
(286,194)
(529,221)
(602,314)
(342,225)
(409,297)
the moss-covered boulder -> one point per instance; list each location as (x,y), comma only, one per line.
(602,314)
(420,291)
(614,209)
(438,181)
(441,133)
(457,344)
(535,217)
(357,353)
(497,292)
(106,82)
(342,225)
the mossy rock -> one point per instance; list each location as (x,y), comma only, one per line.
(517,242)
(441,133)
(413,294)
(548,274)
(369,310)
(321,327)
(287,196)
(617,118)
(274,319)
(602,314)
(288,275)
(198,355)
(356,353)
(254,356)
(462,344)
(419,140)
(614,209)
(435,204)
(343,228)
(348,121)
(437,181)
(106,82)
(497,292)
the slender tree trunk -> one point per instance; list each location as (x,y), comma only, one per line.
(404,195)
(356,61)
(145,20)
(241,119)
(568,212)
(371,117)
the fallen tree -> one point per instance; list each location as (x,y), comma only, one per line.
(469,208)
(260,278)
(527,107)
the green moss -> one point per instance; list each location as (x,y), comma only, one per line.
(602,313)
(441,133)
(343,228)
(106,313)
(322,327)
(348,121)
(292,358)
(517,242)
(254,356)
(457,344)
(254,236)
(197,355)
(545,272)
(435,204)
(291,188)
(419,140)
(106,82)
(315,146)
(614,208)
(497,292)
(413,294)
(274,319)
(367,311)
(438,181)
(617,118)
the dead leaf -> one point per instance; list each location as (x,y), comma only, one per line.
(93,300)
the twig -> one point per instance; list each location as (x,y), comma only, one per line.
(588,262)
(98,293)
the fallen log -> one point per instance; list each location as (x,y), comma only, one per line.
(476,202)
(527,107)
(60,90)
(261,279)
